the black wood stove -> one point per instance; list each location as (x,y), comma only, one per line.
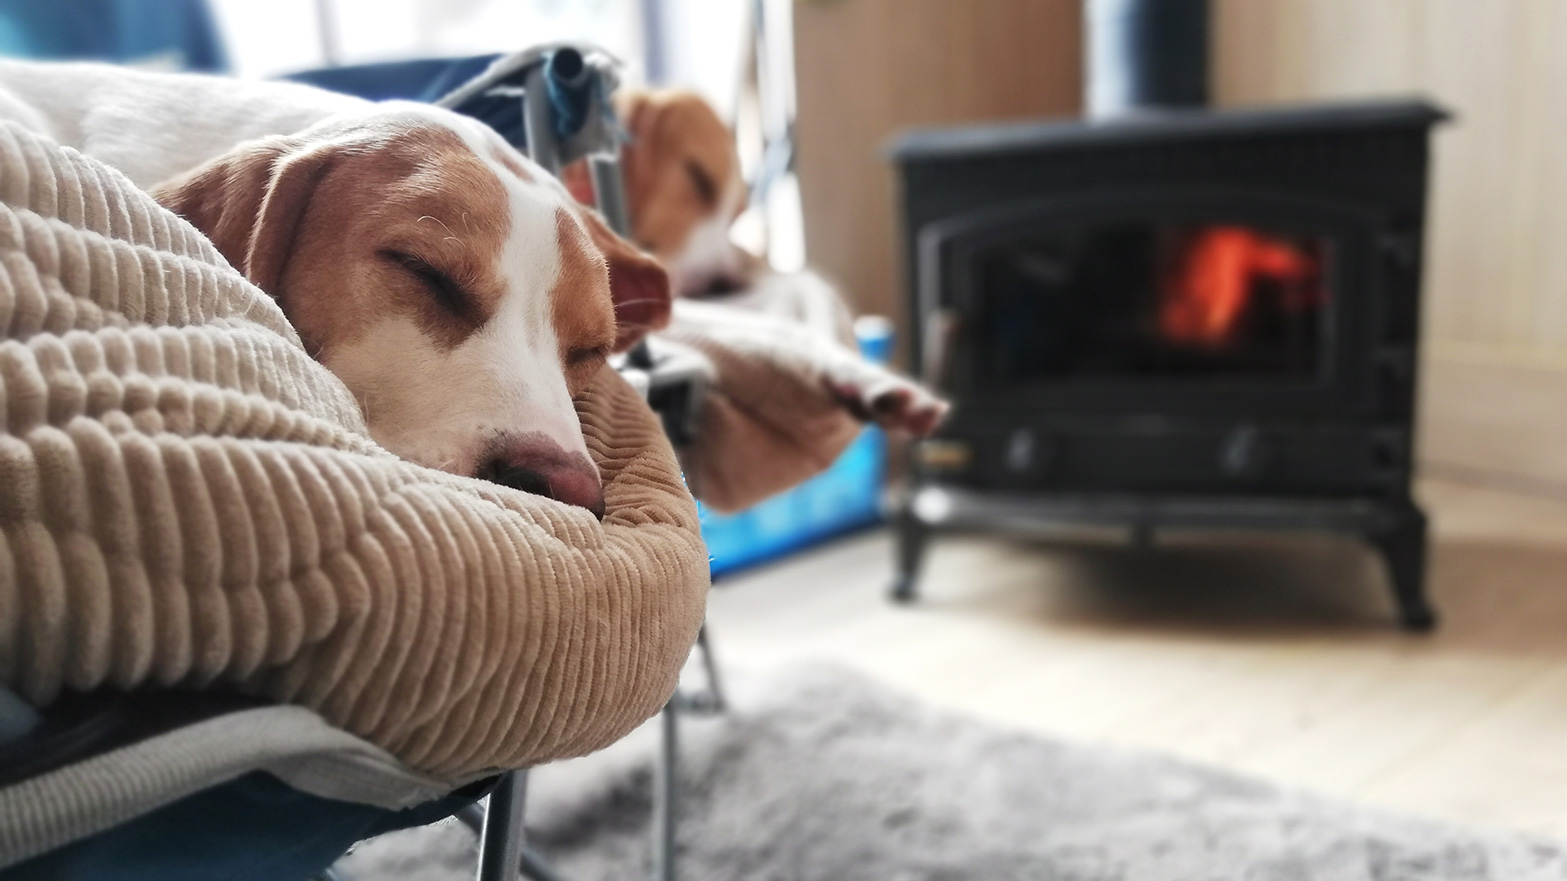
(1178,319)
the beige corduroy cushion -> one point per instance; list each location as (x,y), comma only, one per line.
(187,499)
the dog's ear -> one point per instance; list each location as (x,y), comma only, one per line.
(637,109)
(250,202)
(638,284)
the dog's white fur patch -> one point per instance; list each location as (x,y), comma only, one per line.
(708,253)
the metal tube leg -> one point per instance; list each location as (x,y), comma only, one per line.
(538,123)
(664,797)
(534,865)
(715,686)
(500,841)
(472,816)
(610,193)
(910,535)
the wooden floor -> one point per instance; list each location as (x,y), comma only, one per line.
(1274,657)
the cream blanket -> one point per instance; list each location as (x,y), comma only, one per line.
(187,499)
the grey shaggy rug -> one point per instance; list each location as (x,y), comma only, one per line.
(820,774)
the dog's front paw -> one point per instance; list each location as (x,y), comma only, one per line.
(892,402)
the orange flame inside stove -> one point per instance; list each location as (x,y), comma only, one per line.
(1213,279)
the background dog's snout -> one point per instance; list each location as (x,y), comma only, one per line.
(540,466)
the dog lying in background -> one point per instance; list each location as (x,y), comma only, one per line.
(456,288)
(684,190)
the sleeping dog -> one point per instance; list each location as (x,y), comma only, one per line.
(455,287)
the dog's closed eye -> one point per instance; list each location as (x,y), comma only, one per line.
(582,356)
(582,364)
(702,182)
(446,290)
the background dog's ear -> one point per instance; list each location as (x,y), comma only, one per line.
(249,203)
(638,284)
(636,110)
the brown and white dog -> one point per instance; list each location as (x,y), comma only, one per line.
(684,187)
(457,289)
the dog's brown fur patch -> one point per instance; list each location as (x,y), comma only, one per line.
(580,304)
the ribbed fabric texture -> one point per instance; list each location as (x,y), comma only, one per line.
(186,498)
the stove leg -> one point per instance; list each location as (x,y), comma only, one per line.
(1403,546)
(911,536)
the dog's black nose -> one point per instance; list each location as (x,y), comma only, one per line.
(542,468)
(525,479)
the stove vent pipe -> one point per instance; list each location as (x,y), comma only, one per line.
(1145,55)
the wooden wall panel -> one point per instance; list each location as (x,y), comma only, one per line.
(867,69)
